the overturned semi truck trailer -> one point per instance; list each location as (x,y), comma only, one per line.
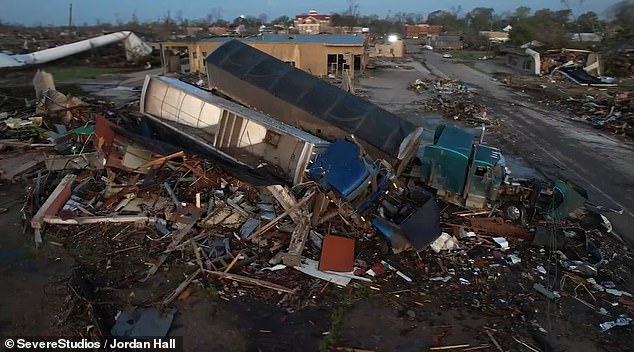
(257,141)
(232,131)
(300,99)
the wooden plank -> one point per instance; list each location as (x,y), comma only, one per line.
(495,342)
(286,199)
(161,161)
(84,220)
(15,165)
(274,222)
(248,280)
(452,347)
(233,262)
(55,201)
(52,205)
(176,240)
(183,285)
(298,240)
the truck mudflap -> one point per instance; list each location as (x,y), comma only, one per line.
(420,227)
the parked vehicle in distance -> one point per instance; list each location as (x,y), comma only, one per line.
(447,56)
(428,47)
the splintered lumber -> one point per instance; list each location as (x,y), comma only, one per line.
(233,262)
(53,204)
(452,347)
(161,160)
(248,280)
(183,285)
(85,220)
(284,196)
(177,239)
(495,342)
(298,241)
(274,222)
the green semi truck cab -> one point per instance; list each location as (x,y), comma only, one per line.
(473,175)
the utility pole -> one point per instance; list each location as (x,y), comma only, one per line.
(70,16)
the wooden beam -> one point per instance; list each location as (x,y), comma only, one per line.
(52,205)
(285,198)
(274,222)
(183,285)
(84,220)
(233,262)
(161,160)
(248,280)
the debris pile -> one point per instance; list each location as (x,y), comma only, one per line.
(610,111)
(453,99)
(606,109)
(151,222)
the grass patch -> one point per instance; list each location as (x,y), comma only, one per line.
(69,73)
(336,319)
(212,292)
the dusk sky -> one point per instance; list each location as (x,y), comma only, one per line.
(56,11)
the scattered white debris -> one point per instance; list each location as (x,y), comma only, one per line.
(513,259)
(617,293)
(444,242)
(502,242)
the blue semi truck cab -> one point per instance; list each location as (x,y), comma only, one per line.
(374,197)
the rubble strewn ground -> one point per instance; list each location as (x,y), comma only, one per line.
(608,109)
(162,231)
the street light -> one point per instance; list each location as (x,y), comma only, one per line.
(392,38)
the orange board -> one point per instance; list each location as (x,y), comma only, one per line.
(337,254)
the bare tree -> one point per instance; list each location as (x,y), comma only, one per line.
(214,15)
(134,19)
(179,17)
(262,18)
(353,8)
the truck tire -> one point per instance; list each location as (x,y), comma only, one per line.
(514,211)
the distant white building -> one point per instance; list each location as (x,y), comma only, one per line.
(494,36)
(586,37)
(507,28)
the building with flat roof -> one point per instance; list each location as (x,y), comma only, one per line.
(495,36)
(448,42)
(421,30)
(316,54)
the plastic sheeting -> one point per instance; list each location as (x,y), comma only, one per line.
(265,83)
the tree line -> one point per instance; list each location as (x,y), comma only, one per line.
(550,27)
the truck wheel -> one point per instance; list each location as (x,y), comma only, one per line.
(514,212)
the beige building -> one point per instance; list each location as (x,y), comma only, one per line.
(495,37)
(312,23)
(388,49)
(315,54)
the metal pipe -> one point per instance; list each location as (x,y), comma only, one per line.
(134,47)
(484,128)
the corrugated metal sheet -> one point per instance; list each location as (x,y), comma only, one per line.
(265,83)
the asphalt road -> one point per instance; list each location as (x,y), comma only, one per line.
(550,141)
